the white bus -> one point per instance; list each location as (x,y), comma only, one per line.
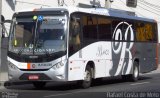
(80,44)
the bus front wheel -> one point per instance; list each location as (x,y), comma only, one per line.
(135,75)
(86,83)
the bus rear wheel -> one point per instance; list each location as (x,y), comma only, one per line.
(135,74)
(39,85)
(86,83)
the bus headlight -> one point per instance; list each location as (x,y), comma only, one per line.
(11,65)
(58,65)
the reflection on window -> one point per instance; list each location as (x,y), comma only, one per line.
(23,35)
(104,28)
(89,29)
(74,34)
(144,32)
(19,35)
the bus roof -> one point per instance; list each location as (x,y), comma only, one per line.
(98,11)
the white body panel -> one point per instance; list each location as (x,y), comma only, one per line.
(109,58)
(101,54)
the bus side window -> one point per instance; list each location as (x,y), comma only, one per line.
(115,23)
(104,29)
(145,32)
(74,36)
(155,36)
(90,34)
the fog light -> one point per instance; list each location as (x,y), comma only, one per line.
(60,76)
(10,77)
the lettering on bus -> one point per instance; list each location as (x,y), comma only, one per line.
(122,49)
(101,51)
(35,50)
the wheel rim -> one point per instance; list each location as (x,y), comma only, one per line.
(136,72)
(87,76)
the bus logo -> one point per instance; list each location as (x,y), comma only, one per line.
(33,66)
(121,48)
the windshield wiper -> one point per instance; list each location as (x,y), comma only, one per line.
(20,51)
(46,52)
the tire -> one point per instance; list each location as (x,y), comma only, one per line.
(39,85)
(86,83)
(135,74)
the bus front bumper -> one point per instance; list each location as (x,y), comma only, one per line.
(47,75)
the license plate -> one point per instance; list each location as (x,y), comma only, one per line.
(33,77)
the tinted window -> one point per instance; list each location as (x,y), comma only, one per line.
(123,30)
(104,28)
(74,34)
(128,31)
(90,34)
(117,30)
(145,31)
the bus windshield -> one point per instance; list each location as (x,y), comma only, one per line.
(38,34)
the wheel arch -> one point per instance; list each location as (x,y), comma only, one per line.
(91,64)
(136,60)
